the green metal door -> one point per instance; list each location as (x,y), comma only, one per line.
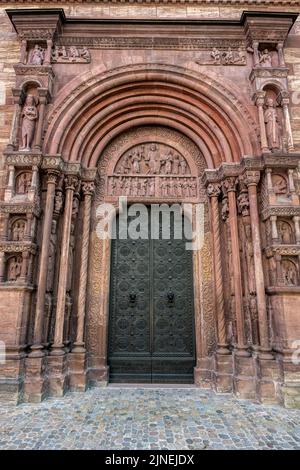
(151,324)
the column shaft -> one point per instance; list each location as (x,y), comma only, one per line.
(43,263)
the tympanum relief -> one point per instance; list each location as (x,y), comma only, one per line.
(152,169)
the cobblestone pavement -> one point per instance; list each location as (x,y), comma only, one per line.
(148,418)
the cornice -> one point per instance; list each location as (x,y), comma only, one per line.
(163,2)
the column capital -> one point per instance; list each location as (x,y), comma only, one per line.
(71,182)
(52,176)
(88,188)
(213,189)
(229,184)
(251,177)
(259,98)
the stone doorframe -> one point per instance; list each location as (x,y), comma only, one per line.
(100,250)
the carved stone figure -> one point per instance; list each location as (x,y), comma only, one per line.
(29,118)
(135,187)
(37,56)
(183,166)
(225,208)
(58,202)
(265,58)
(73,52)
(52,253)
(14,268)
(216,55)
(176,162)
(228,56)
(285,232)
(136,159)
(23,183)
(18,230)
(239,57)
(144,187)
(243,204)
(271,122)
(290,275)
(168,163)
(85,53)
(279,184)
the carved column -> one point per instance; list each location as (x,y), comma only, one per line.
(229,187)
(23,51)
(43,92)
(13,139)
(43,263)
(47,60)
(296,220)
(287,123)
(88,190)
(4,232)
(259,101)
(251,179)
(255,45)
(24,267)
(2,266)
(274,230)
(70,186)
(10,188)
(213,191)
(279,48)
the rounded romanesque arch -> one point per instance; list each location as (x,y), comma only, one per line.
(99,105)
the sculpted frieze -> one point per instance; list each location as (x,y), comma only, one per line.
(23,160)
(223,56)
(72,54)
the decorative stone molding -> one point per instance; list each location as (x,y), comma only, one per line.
(23,160)
(283,250)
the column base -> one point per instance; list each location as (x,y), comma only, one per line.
(269,378)
(245,377)
(77,371)
(57,375)
(35,384)
(12,379)
(203,372)
(223,373)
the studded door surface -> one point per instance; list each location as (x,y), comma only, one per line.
(151,326)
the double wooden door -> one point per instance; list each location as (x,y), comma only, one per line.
(151,323)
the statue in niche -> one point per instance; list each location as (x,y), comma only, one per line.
(58,202)
(18,230)
(37,55)
(14,268)
(183,166)
(285,232)
(289,273)
(179,187)
(279,184)
(216,55)
(176,162)
(23,183)
(272,126)
(51,259)
(29,118)
(265,58)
